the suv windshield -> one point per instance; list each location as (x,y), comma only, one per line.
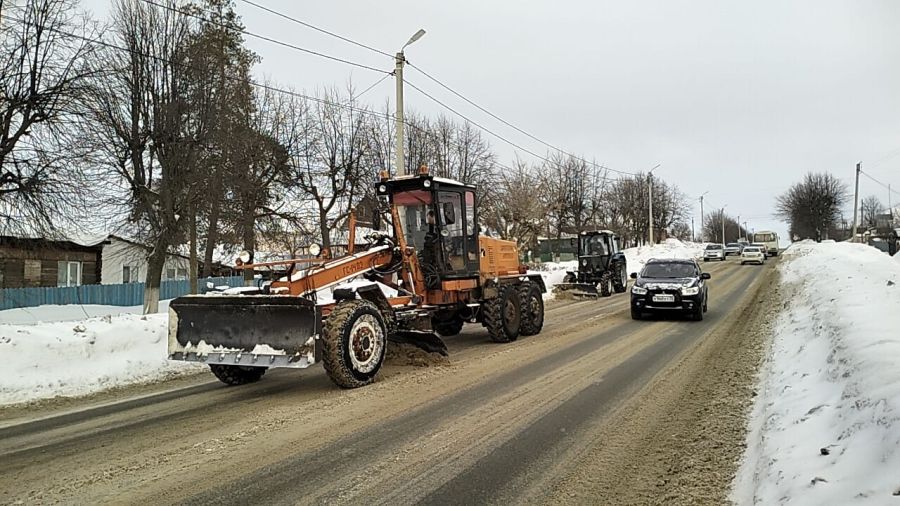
(713,246)
(669,270)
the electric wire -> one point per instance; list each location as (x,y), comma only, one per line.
(514,127)
(265,38)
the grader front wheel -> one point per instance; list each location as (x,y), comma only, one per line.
(354,340)
(532,309)
(503,314)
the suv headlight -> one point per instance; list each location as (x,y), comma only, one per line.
(638,290)
(690,290)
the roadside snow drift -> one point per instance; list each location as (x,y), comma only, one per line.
(78,358)
(825,427)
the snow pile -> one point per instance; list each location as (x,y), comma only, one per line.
(58,358)
(70,312)
(825,428)
(553,274)
(635,258)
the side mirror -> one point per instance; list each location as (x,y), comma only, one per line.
(633,275)
(449,213)
(705,275)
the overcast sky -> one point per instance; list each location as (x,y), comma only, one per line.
(735,98)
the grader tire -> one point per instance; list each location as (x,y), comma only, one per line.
(503,314)
(605,282)
(234,375)
(354,340)
(532,309)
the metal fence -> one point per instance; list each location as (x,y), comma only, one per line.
(128,294)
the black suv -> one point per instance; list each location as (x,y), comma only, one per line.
(667,285)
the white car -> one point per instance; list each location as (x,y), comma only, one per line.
(714,252)
(753,255)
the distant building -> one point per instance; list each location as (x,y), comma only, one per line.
(125,261)
(35,262)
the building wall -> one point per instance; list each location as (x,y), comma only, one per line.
(118,254)
(36,264)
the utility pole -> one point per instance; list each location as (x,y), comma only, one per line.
(856,201)
(723,224)
(693,237)
(890,207)
(739,228)
(400,60)
(650,192)
(702,230)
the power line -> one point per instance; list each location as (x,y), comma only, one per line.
(885,185)
(316,28)
(466,118)
(451,90)
(263,37)
(514,127)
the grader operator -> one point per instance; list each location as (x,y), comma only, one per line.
(439,271)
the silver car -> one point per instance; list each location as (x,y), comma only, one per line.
(753,255)
(733,248)
(714,252)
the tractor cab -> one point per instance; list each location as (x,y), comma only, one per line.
(439,220)
(595,249)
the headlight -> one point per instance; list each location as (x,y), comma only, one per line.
(382,189)
(584,262)
(314,249)
(244,256)
(638,290)
(691,290)
(426,183)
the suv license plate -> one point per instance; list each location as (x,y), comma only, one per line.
(664,298)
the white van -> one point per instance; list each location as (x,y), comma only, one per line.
(770,239)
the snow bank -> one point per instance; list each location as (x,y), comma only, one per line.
(44,360)
(635,258)
(830,385)
(70,312)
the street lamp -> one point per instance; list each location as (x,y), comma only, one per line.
(722,217)
(400,59)
(650,192)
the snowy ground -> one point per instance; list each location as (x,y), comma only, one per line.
(75,358)
(825,427)
(635,258)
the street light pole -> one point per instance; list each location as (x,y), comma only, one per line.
(650,192)
(702,230)
(722,217)
(400,60)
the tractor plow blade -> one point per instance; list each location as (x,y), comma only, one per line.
(428,341)
(577,289)
(205,327)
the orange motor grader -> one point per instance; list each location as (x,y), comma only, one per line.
(431,274)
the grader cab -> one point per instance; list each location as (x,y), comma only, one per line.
(429,274)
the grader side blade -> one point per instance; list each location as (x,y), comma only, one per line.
(577,289)
(428,341)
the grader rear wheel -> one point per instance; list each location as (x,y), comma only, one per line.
(532,309)
(503,314)
(354,342)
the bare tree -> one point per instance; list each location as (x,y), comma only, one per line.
(137,119)
(516,211)
(712,227)
(813,205)
(869,209)
(43,73)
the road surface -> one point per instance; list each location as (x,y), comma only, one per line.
(596,409)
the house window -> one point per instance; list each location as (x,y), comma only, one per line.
(128,274)
(68,274)
(170,273)
(182,274)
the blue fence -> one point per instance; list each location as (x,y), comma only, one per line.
(129,294)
